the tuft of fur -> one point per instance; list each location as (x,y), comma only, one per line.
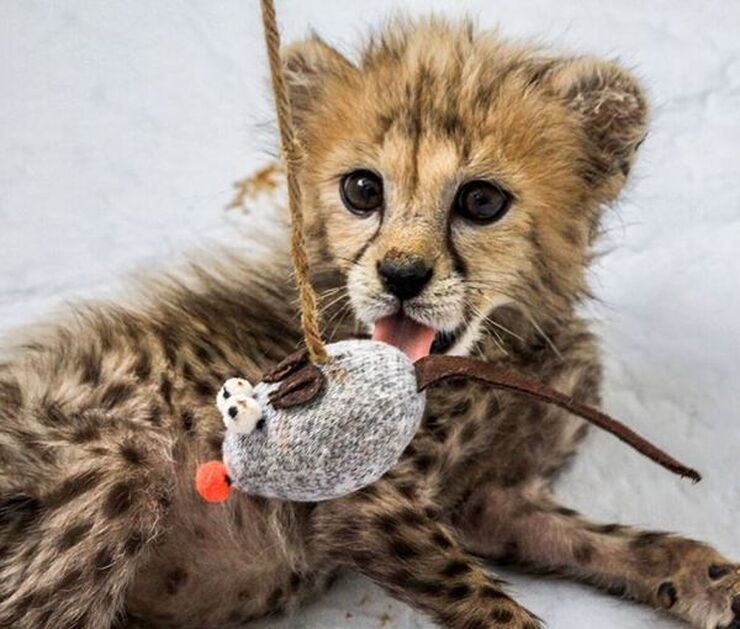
(104,416)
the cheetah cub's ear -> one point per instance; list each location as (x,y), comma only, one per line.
(310,66)
(613,112)
(240,411)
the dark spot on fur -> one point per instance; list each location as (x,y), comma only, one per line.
(133,544)
(52,415)
(426,588)
(19,511)
(493,407)
(90,363)
(73,536)
(116,394)
(647,539)
(502,616)
(456,383)
(717,571)
(187,372)
(233,412)
(387,523)
(402,550)
(215,443)
(581,433)
(187,418)
(488,591)
(74,486)
(11,397)
(154,414)
(295,581)
(566,511)
(120,499)
(468,433)
(459,592)
(407,489)
(667,595)
(143,367)
(70,579)
(423,462)
(441,540)
(509,554)
(369,493)
(606,529)
(275,599)
(165,390)
(461,408)
(204,389)
(87,432)
(455,568)
(174,579)
(411,517)
(131,454)
(169,341)
(104,560)
(583,553)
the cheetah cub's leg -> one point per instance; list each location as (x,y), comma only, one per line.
(686,578)
(384,535)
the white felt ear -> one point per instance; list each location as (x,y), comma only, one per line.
(242,414)
(232,387)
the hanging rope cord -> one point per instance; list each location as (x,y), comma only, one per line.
(292,156)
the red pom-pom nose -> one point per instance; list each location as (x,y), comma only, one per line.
(212,481)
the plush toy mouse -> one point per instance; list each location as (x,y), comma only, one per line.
(312,432)
(309,432)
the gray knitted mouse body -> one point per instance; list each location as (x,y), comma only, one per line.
(346,437)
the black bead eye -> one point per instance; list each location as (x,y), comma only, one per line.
(482,201)
(362,192)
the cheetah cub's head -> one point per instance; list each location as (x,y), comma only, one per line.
(449,173)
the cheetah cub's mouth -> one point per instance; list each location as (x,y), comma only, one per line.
(414,339)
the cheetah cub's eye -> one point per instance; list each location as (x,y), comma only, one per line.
(362,192)
(482,202)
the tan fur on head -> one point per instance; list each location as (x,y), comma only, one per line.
(558,133)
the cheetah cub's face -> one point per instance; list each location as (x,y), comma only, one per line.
(449,173)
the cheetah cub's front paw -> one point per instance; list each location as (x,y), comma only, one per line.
(240,411)
(724,593)
(705,590)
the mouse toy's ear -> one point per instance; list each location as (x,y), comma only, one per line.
(613,112)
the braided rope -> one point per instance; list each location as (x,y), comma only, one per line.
(292,153)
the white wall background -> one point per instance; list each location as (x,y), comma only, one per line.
(123,124)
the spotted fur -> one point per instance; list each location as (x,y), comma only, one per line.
(104,417)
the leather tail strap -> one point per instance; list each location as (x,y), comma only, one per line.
(433,369)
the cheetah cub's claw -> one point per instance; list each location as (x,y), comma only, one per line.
(240,411)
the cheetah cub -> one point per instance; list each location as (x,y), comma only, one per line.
(454,185)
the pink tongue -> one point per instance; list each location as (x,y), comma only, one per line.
(412,338)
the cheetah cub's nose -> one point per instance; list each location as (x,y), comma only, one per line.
(240,411)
